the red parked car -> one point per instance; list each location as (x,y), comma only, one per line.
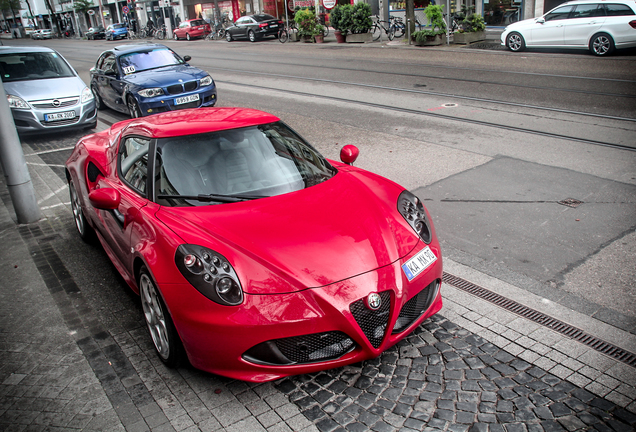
(194,28)
(253,254)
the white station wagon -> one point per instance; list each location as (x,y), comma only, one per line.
(600,26)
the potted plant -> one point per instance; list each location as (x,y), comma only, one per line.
(433,36)
(318,33)
(306,22)
(361,23)
(472,30)
(341,21)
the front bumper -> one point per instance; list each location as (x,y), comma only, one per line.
(33,121)
(238,342)
(163,103)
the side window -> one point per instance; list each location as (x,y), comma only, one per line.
(587,11)
(133,162)
(109,63)
(615,9)
(559,13)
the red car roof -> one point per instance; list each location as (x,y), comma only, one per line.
(197,120)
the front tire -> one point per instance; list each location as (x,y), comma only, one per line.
(162,331)
(251,36)
(228,37)
(99,103)
(85,231)
(515,42)
(602,44)
(133,107)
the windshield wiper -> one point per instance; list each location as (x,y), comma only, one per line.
(212,197)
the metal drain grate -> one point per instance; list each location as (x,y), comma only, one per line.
(570,202)
(543,319)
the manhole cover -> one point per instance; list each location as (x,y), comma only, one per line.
(449,105)
(570,202)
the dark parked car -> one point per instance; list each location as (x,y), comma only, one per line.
(254,27)
(143,79)
(96,33)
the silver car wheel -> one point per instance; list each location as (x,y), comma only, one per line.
(515,42)
(154,315)
(601,44)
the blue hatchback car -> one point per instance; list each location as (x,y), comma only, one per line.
(116,31)
(144,79)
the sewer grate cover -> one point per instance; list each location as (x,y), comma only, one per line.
(570,202)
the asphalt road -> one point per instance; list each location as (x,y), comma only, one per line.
(491,140)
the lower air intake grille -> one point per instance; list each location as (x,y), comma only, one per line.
(373,322)
(414,308)
(310,348)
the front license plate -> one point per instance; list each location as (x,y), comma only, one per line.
(420,262)
(59,116)
(186,99)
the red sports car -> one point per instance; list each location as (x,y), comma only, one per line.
(253,254)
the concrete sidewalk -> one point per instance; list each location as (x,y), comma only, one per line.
(77,358)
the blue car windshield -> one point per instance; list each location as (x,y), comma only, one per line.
(141,61)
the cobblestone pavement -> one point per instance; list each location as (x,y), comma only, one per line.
(74,355)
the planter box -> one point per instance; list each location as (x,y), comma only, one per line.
(359,37)
(437,40)
(466,38)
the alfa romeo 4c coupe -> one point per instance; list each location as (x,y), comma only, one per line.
(253,255)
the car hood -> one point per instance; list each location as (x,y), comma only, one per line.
(41,89)
(165,76)
(527,23)
(346,226)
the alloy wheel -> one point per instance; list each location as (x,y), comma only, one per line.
(154,315)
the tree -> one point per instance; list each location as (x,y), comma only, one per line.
(11,5)
(83,6)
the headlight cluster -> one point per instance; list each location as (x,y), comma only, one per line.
(412,209)
(210,273)
(206,81)
(87,95)
(151,92)
(17,102)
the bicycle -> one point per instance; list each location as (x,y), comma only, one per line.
(285,32)
(399,26)
(160,33)
(131,35)
(456,23)
(378,27)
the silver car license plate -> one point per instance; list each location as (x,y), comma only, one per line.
(59,116)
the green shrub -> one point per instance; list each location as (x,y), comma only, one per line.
(473,23)
(306,21)
(341,18)
(361,17)
(435,15)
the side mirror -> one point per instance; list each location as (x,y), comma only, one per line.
(187,58)
(110,72)
(105,199)
(540,20)
(349,154)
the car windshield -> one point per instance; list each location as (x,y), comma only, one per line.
(144,60)
(33,66)
(118,26)
(247,163)
(195,23)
